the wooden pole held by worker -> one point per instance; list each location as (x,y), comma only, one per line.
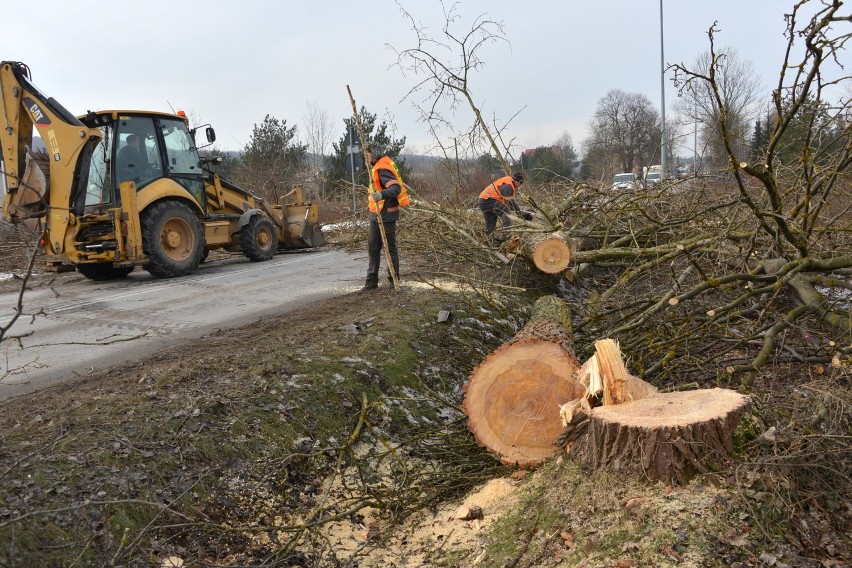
(388,258)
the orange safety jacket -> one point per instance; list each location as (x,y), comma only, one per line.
(385,163)
(492,191)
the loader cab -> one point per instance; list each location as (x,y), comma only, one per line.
(142,148)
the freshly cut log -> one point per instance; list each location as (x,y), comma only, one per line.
(513,397)
(550,253)
(669,437)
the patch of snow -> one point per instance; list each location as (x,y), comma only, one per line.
(836,294)
(344,225)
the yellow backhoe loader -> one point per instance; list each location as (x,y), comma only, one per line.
(128,188)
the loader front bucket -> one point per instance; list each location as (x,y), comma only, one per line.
(302,228)
(311,233)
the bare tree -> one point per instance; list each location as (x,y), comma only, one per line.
(740,91)
(626,128)
(446,66)
(319,127)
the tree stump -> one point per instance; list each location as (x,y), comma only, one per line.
(669,437)
(513,397)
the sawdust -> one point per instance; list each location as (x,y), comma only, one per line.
(447,529)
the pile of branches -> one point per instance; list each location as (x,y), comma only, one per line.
(696,289)
(683,275)
(709,279)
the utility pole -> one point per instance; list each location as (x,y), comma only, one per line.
(662,98)
(695,139)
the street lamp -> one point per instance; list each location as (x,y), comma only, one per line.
(662,98)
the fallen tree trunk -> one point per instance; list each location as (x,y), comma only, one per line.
(808,295)
(548,252)
(513,397)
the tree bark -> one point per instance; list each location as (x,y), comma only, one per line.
(668,437)
(513,397)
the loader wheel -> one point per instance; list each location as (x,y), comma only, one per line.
(101,272)
(172,239)
(259,239)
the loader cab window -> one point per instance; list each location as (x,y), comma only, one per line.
(138,156)
(182,156)
(98,186)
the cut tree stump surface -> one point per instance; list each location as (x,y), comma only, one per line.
(673,409)
(515,398)
(668,437)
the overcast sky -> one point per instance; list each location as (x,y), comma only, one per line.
(230,63)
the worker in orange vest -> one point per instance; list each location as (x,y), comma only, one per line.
(386,195)
(498,199)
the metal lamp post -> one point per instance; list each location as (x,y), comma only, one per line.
(662,98)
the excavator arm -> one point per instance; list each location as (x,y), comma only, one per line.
(17,134)
(24,106)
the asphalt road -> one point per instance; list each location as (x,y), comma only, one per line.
(80,326)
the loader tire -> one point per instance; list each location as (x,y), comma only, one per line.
(172,239)
(259,238)
(102,272)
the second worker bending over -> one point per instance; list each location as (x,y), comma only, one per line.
(498,200)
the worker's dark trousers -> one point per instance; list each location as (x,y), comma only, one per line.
(374,249)
(491,211)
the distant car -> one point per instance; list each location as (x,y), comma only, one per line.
(624,181)
(682,172)
(653,178)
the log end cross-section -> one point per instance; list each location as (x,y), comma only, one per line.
(550,255)
(514,396)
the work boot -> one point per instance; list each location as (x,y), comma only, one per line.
(371,284)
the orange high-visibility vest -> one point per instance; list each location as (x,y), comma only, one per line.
(385,163)
(492,191)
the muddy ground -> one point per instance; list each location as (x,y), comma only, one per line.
(333,436)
